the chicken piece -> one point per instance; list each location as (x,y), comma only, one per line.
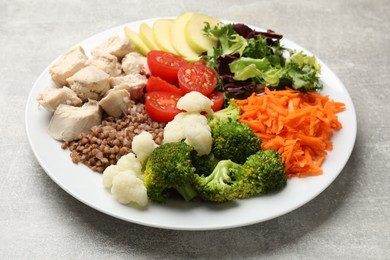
(115,45)
(51,98)
(135,63)
(134,84)
(68,121)
(116,102)
(106,62)
(90,83)
(70,62)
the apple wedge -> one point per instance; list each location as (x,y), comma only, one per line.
(136,40)
(162,35)
(146,35)
(195,35)
(178,38)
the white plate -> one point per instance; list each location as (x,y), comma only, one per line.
(86,186)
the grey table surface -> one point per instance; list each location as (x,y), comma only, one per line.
(349,220)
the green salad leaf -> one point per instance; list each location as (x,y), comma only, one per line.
(260,59)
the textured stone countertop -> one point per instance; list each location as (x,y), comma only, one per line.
(349,220)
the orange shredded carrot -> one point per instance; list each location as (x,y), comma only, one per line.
(297,125)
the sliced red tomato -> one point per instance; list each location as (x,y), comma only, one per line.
(165,64)
(158,84)
(217,98)
(197,77)
(161,106)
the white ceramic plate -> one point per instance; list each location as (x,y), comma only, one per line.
(86,186)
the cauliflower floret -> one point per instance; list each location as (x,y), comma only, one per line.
(130,162)
(125,180)
(192,128)
(195,102)
(126,162)
(108,175)
(127,188)
(199,137)
(143,145)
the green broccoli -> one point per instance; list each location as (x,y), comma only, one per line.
(262,172)
(169,167)
(234,141)
(266,173)
(229,113)
(223,184)
(204,164)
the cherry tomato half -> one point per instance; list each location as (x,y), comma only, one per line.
(197,77)
(165,64)
(161,106)
(217,98)
(158,84)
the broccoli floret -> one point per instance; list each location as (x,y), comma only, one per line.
(263,172)
(266,172)
(204,164)
(169,167)
(234,141)
(223,184)
(229,113)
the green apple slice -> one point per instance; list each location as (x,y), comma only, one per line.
(162,34)
(146,35)
(178,38)
(195,35)
(136,40)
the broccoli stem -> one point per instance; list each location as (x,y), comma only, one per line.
(187,192)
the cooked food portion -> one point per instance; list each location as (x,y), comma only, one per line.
(135,63)
(261,173)
(69,63)
(90,83)
(113,138)
(133,83)
(168,168)
(116,102)
(125,181)
(115,45)
(106,62)
(68,121)
(51,98)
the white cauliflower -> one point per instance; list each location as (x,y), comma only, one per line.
(195,102)
(192,128)
(125,180)
(127,188)
(130,161)
(143,145)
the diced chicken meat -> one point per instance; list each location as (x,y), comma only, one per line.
(68,64)
(68,121)
(51,98)
(106,62)
(90,83)
(135,63)
(116,102)
(133,83)
(115,45)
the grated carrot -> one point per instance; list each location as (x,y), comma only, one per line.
(297,125)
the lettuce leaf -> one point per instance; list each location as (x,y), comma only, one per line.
(259,57)
(259,69)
